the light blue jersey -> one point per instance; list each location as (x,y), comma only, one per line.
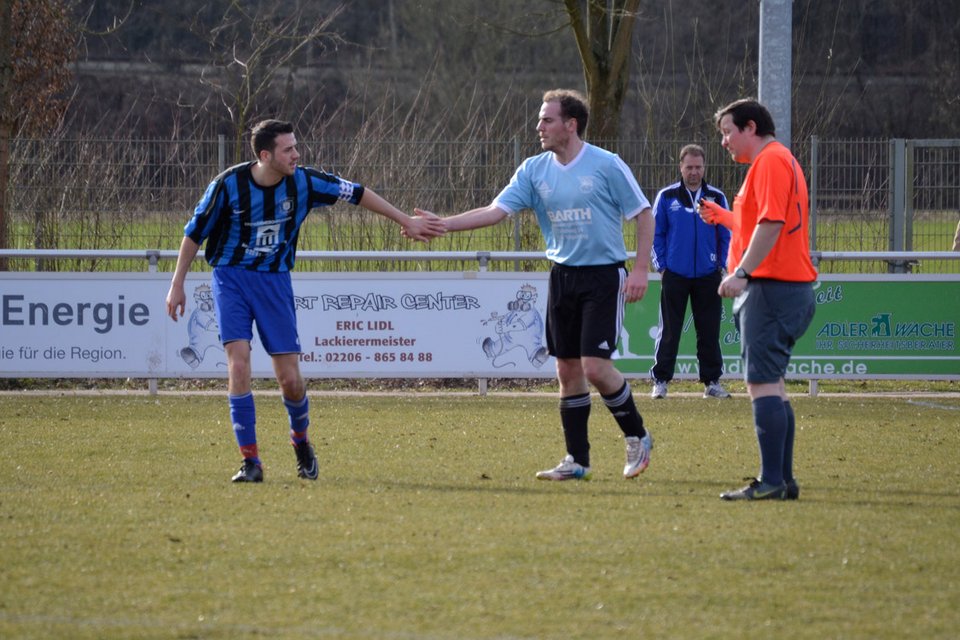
(580,206)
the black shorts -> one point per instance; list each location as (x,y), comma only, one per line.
(585,310)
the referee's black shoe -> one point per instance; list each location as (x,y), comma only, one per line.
(307,466)
(250,471)
(793,490)
(757,490)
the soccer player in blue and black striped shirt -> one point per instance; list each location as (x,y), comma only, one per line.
(250,218)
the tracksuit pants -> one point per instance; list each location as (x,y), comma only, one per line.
(707,309)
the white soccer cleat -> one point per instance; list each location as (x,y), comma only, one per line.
(568,469)
(638,455)
(659,390)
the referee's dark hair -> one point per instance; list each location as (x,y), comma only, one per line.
(745,110)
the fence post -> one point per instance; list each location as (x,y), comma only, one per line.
(516,219)
(221,153)
(898,181)
(908,170)
(814,161)
(153,257)
(483,258)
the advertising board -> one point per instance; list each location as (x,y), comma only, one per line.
(446,324)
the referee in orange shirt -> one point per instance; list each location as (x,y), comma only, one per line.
(770,278)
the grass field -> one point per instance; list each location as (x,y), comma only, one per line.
(117,520)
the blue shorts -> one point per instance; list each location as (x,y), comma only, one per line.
(242,297)
(771,315)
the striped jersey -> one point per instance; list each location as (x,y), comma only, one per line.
(254,227)
(580,206)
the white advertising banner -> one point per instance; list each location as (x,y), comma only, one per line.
(443,325)
(351,325)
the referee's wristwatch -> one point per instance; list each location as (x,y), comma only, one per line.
(740,273)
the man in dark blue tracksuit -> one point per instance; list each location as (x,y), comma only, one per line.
(689,254)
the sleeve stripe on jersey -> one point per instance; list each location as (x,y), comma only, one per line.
(796,192)
(632,182)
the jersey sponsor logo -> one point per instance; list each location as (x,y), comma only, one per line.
(266,240)
(571,215)
(267,237)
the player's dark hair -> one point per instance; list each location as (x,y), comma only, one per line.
(263,136)
(745,110)
(572,105)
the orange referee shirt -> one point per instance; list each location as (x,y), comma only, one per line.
(775,189)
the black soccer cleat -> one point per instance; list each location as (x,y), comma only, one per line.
(793,490)
(250,471)
(307,466)
(757,490)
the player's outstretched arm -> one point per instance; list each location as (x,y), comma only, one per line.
(473,219)
(418,228)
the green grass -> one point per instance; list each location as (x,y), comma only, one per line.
(117,520)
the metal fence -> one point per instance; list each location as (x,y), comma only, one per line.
(866,195)
(885,195)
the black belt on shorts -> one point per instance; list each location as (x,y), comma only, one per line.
(617,265)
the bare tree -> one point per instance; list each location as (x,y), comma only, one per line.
(36,47)
(257,52)
(604,33)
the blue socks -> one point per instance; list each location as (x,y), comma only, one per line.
(243,416)
(299,412)
(788,443)
(770,420)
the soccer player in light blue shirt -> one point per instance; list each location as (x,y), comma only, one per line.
(581,195)
(580,206)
